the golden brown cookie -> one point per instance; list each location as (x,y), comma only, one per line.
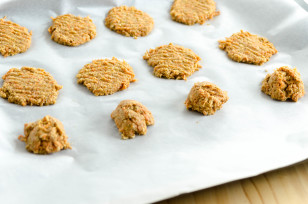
(45,136)
(106,76)
(206,98)
(248,48)
(131,117)
(193,11)
(172,61)
(14,38)
(29,86)
(285,83)
(129,21)
(72,30)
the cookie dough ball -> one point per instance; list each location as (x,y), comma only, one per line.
(248,48)
(285,83)
(45,136)
(206,98)
(129,21)
(172,61)
(193,11)
(14,38)
(131,117)
(72,30)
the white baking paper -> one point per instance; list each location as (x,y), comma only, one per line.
(184,151)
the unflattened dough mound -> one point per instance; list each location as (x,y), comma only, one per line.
(106,76)
(248,48)
(72,30)
(206,98)
(14,38)
(129,21)
(29,86)
(284,84)
(172,61)
(45,136)
(193,11)
(131,117)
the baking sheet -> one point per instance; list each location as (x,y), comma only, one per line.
(184,151)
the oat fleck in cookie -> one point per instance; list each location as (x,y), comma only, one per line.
(14,38)
(172,61)
(45,136)
(106,76)
(72,30)
(193,11)
(285,83)
(29,86)
(131,117)
(206,98)
(248,48)
(129,21)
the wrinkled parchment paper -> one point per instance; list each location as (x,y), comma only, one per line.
(184,151)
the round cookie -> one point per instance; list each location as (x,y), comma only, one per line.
(131,117)
(72,30)
(129,21)
(248,48)
(105,76)
(29,86)
(14,38)
(193,11)
(206,98)
(45,136)
(172,61)
(284,84)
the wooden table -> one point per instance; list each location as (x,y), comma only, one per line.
(284,186)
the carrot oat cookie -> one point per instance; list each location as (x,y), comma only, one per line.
(206,98)
(14,38)
(285,83)
(193,11)
(106,76)
(172,61)
(129,21)
(131,117)
(248,48)
(45,136)
(29,86)
(72,30)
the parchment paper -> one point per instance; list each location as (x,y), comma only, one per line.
(184,151)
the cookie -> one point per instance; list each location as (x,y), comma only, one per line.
(106,76)
(190,12)
(248,48)
(72,30)
(206,98)
(285,83)
(172,61)
(14,38)
(131,117)
(129,21)
(45,136)
(29,86)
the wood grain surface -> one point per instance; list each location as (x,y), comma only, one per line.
(284,186)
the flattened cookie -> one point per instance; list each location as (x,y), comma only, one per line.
(206,98)
(284,84)
(14,38)
(172,61)
(129,21)
(72,30)
(29,86)
(106,76)
(248,48)
(193,11)
(131,117)
(45,136)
